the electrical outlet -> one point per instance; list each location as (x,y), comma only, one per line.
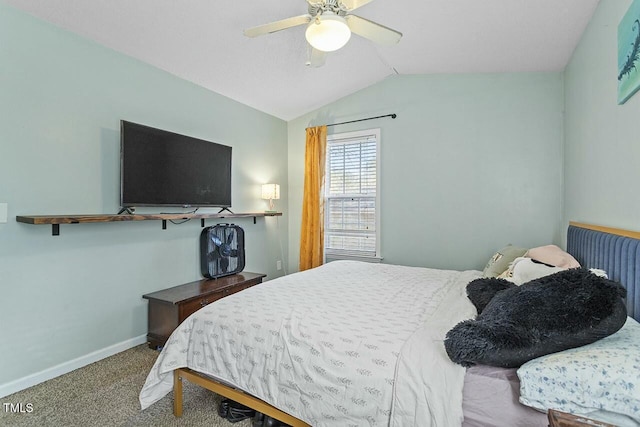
(3,213)
(278,265)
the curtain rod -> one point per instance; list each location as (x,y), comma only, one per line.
(393,116)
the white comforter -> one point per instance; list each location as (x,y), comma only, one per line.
(345,344)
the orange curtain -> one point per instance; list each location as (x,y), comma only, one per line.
(312,232)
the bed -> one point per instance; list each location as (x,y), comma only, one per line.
(325,347)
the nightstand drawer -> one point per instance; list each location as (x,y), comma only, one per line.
(242,287)
(190,307)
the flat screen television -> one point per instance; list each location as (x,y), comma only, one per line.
(161,168)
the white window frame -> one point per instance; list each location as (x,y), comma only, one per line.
(335,139)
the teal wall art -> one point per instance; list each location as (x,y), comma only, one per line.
(629,53)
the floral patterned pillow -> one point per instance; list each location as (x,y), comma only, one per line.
(602,376)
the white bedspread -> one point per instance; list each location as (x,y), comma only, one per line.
(345,344)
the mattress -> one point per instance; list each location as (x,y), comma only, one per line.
(345,344)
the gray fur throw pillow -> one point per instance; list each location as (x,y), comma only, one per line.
(564,310)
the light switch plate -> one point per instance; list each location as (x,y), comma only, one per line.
(3,213)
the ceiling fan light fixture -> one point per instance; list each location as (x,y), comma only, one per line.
(328,32)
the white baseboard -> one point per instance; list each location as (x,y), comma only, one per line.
(66,367)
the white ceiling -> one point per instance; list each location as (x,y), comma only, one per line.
(203,42)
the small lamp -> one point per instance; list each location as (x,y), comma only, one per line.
(270,192)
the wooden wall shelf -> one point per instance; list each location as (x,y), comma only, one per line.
(56,220)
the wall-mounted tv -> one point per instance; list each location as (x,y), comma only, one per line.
(161,168)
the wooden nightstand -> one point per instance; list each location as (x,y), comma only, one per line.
(169,307)
(562,419)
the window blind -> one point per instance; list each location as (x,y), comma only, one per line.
(351,196)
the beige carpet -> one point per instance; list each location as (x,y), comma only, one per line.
(105,393)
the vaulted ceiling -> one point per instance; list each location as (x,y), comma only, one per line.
(203,42)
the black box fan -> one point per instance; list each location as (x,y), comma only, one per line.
(221,250)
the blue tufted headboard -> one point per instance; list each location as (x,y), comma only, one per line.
(614,250)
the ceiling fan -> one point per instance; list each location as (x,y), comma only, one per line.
(329,27)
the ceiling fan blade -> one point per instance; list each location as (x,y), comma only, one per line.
(373,31)
(354,4)
(272,27)
(317,58)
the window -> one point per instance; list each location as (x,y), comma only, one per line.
(351,195)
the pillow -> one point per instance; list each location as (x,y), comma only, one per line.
(553,255)
(500,261)
(524,269)
(604,375)
(553,313)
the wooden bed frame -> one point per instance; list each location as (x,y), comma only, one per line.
(593,238)
(609,230)
(228,392)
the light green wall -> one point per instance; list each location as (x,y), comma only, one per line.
(62,97)
(473,162)
(602,154)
